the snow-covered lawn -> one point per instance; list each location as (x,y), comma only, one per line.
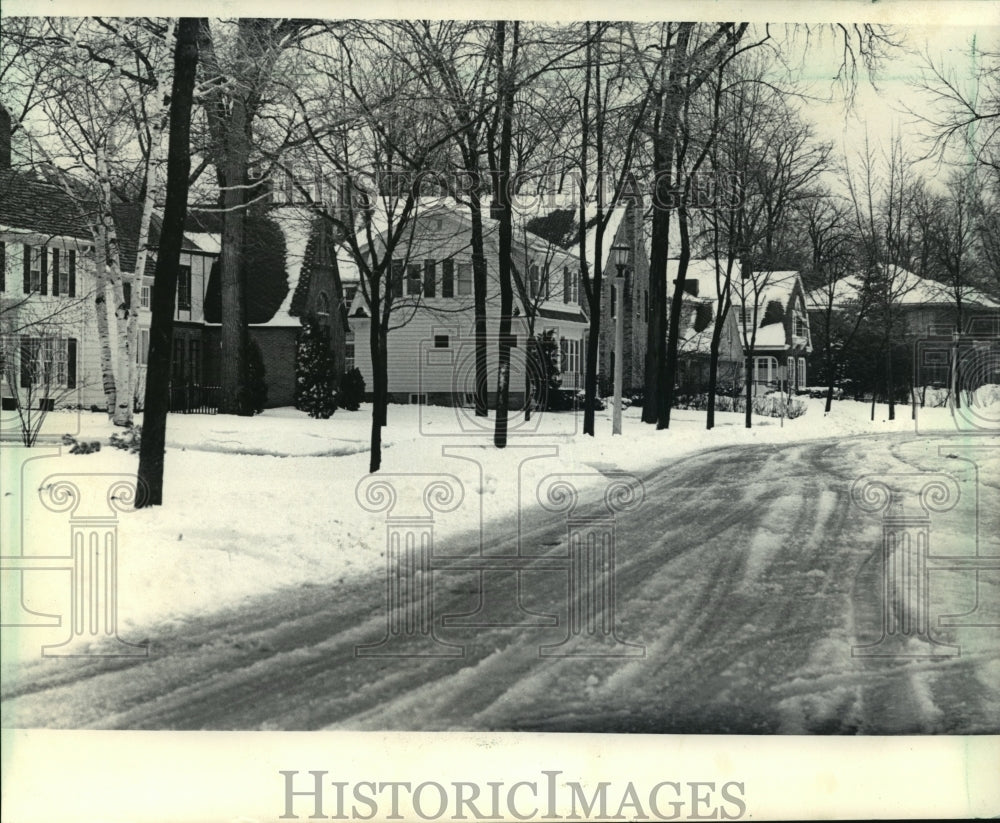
(255,504)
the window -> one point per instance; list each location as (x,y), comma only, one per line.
(798,326)
(144,296)
(765,370)
(413,280)
(746,317)
(571,285)
(184,288)
(38,264)
(430,287)
(790,372)
(48,362)
(323,304)
(441,341)
(569,349)
(349,352)
(800,373)
(447,278)
(464,279)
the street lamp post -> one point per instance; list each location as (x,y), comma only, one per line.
(620,256)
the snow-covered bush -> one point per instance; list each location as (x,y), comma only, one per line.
(315,371)
(81,448)
(987,395)
(130,440)
(766,405)
(770,405)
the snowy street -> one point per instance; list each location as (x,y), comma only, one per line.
(748,576)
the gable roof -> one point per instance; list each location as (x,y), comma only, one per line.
(910,290)
(31,204)
(128,217)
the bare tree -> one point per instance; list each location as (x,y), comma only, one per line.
(234,92)
(157,402)
(881,195)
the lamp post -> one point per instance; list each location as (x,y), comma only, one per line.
(619,254)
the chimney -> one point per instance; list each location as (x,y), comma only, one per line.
(4,138)
(690,286)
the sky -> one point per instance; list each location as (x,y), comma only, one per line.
(880,108)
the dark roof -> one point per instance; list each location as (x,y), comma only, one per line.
(36,205)
(554,314)
(39,206)
(204,220)
(128,217)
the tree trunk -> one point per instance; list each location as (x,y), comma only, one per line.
(748,419)
(713,373)
(479,278)
(158,126)
(674,327)
(103,329)
(157,400)
(377,341)
(235,397)
(506,231)
(889,386)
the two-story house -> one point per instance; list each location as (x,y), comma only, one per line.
(48,305)
(767,312)
(431,344)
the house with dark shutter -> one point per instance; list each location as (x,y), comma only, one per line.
(48,295)
(45,293)
(556,218)
(431,345)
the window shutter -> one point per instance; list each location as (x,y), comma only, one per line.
(396,278)
(563,353)
(72,273)
(71,362)
(26,364)
(3,266)
(27,269)
(55,272)
(44,254)
(429,284)
(566,285)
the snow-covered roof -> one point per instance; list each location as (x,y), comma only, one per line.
(206,241)
(907,289)
(614,222)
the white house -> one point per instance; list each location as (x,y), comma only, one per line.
(431,343)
